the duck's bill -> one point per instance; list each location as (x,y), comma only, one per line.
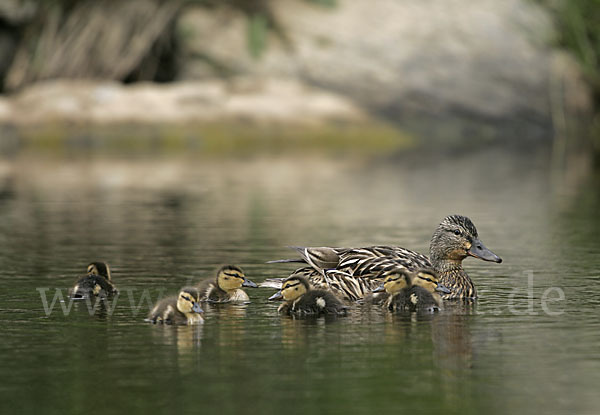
(478,250)
(248,283)
(442,289)
(379,289)
(277,296)
(197,309)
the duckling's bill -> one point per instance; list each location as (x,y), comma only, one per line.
(379,289)
(248,283)
(442,289)
(277,296)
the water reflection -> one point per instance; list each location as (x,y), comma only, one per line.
(184,338)
(298,332)
(100,308)
(452,339)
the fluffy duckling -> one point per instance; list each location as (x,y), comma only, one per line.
(300,298)
(417,291)
(96,283)
(181,309)
(226,287)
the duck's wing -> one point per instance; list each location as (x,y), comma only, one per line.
(320,257)
(347,286)
(323,258)
(377,261)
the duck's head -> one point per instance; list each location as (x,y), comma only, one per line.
(395,282)
(292,288)
(455,239)
(230,277)
(429,279)
(187,301)
(99,268)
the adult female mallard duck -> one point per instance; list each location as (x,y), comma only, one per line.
(413,291)
(345,269)
(180,309)
(301,299)
(96,283)
(226,287)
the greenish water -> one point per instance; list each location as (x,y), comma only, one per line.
(162,223)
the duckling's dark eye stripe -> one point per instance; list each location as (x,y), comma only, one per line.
(291,285)
(187,298)
(233,275)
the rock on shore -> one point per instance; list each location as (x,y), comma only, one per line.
(263,102)
(443,69)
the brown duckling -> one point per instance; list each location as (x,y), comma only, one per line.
(181,309)
(417,291)
(301,299)
(226,287)
(96,283)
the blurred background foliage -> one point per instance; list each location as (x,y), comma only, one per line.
(74,24)
(579,30)
(68,38)
(54,38)
(578,22)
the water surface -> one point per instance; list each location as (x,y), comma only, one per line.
(162,223)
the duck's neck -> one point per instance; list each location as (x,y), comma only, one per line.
(447,265)
(453,276)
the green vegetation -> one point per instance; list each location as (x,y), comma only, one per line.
(579,24)
(579,32)
(216,139)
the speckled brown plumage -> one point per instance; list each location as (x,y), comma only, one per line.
(360,269)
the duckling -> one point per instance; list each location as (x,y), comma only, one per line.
(181,309)
(226,287)
(96,283)
(377,296)
(424,295)
(345,270)
(300,298)
(394,289)
(417,291)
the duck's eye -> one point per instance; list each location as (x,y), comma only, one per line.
(457,232)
